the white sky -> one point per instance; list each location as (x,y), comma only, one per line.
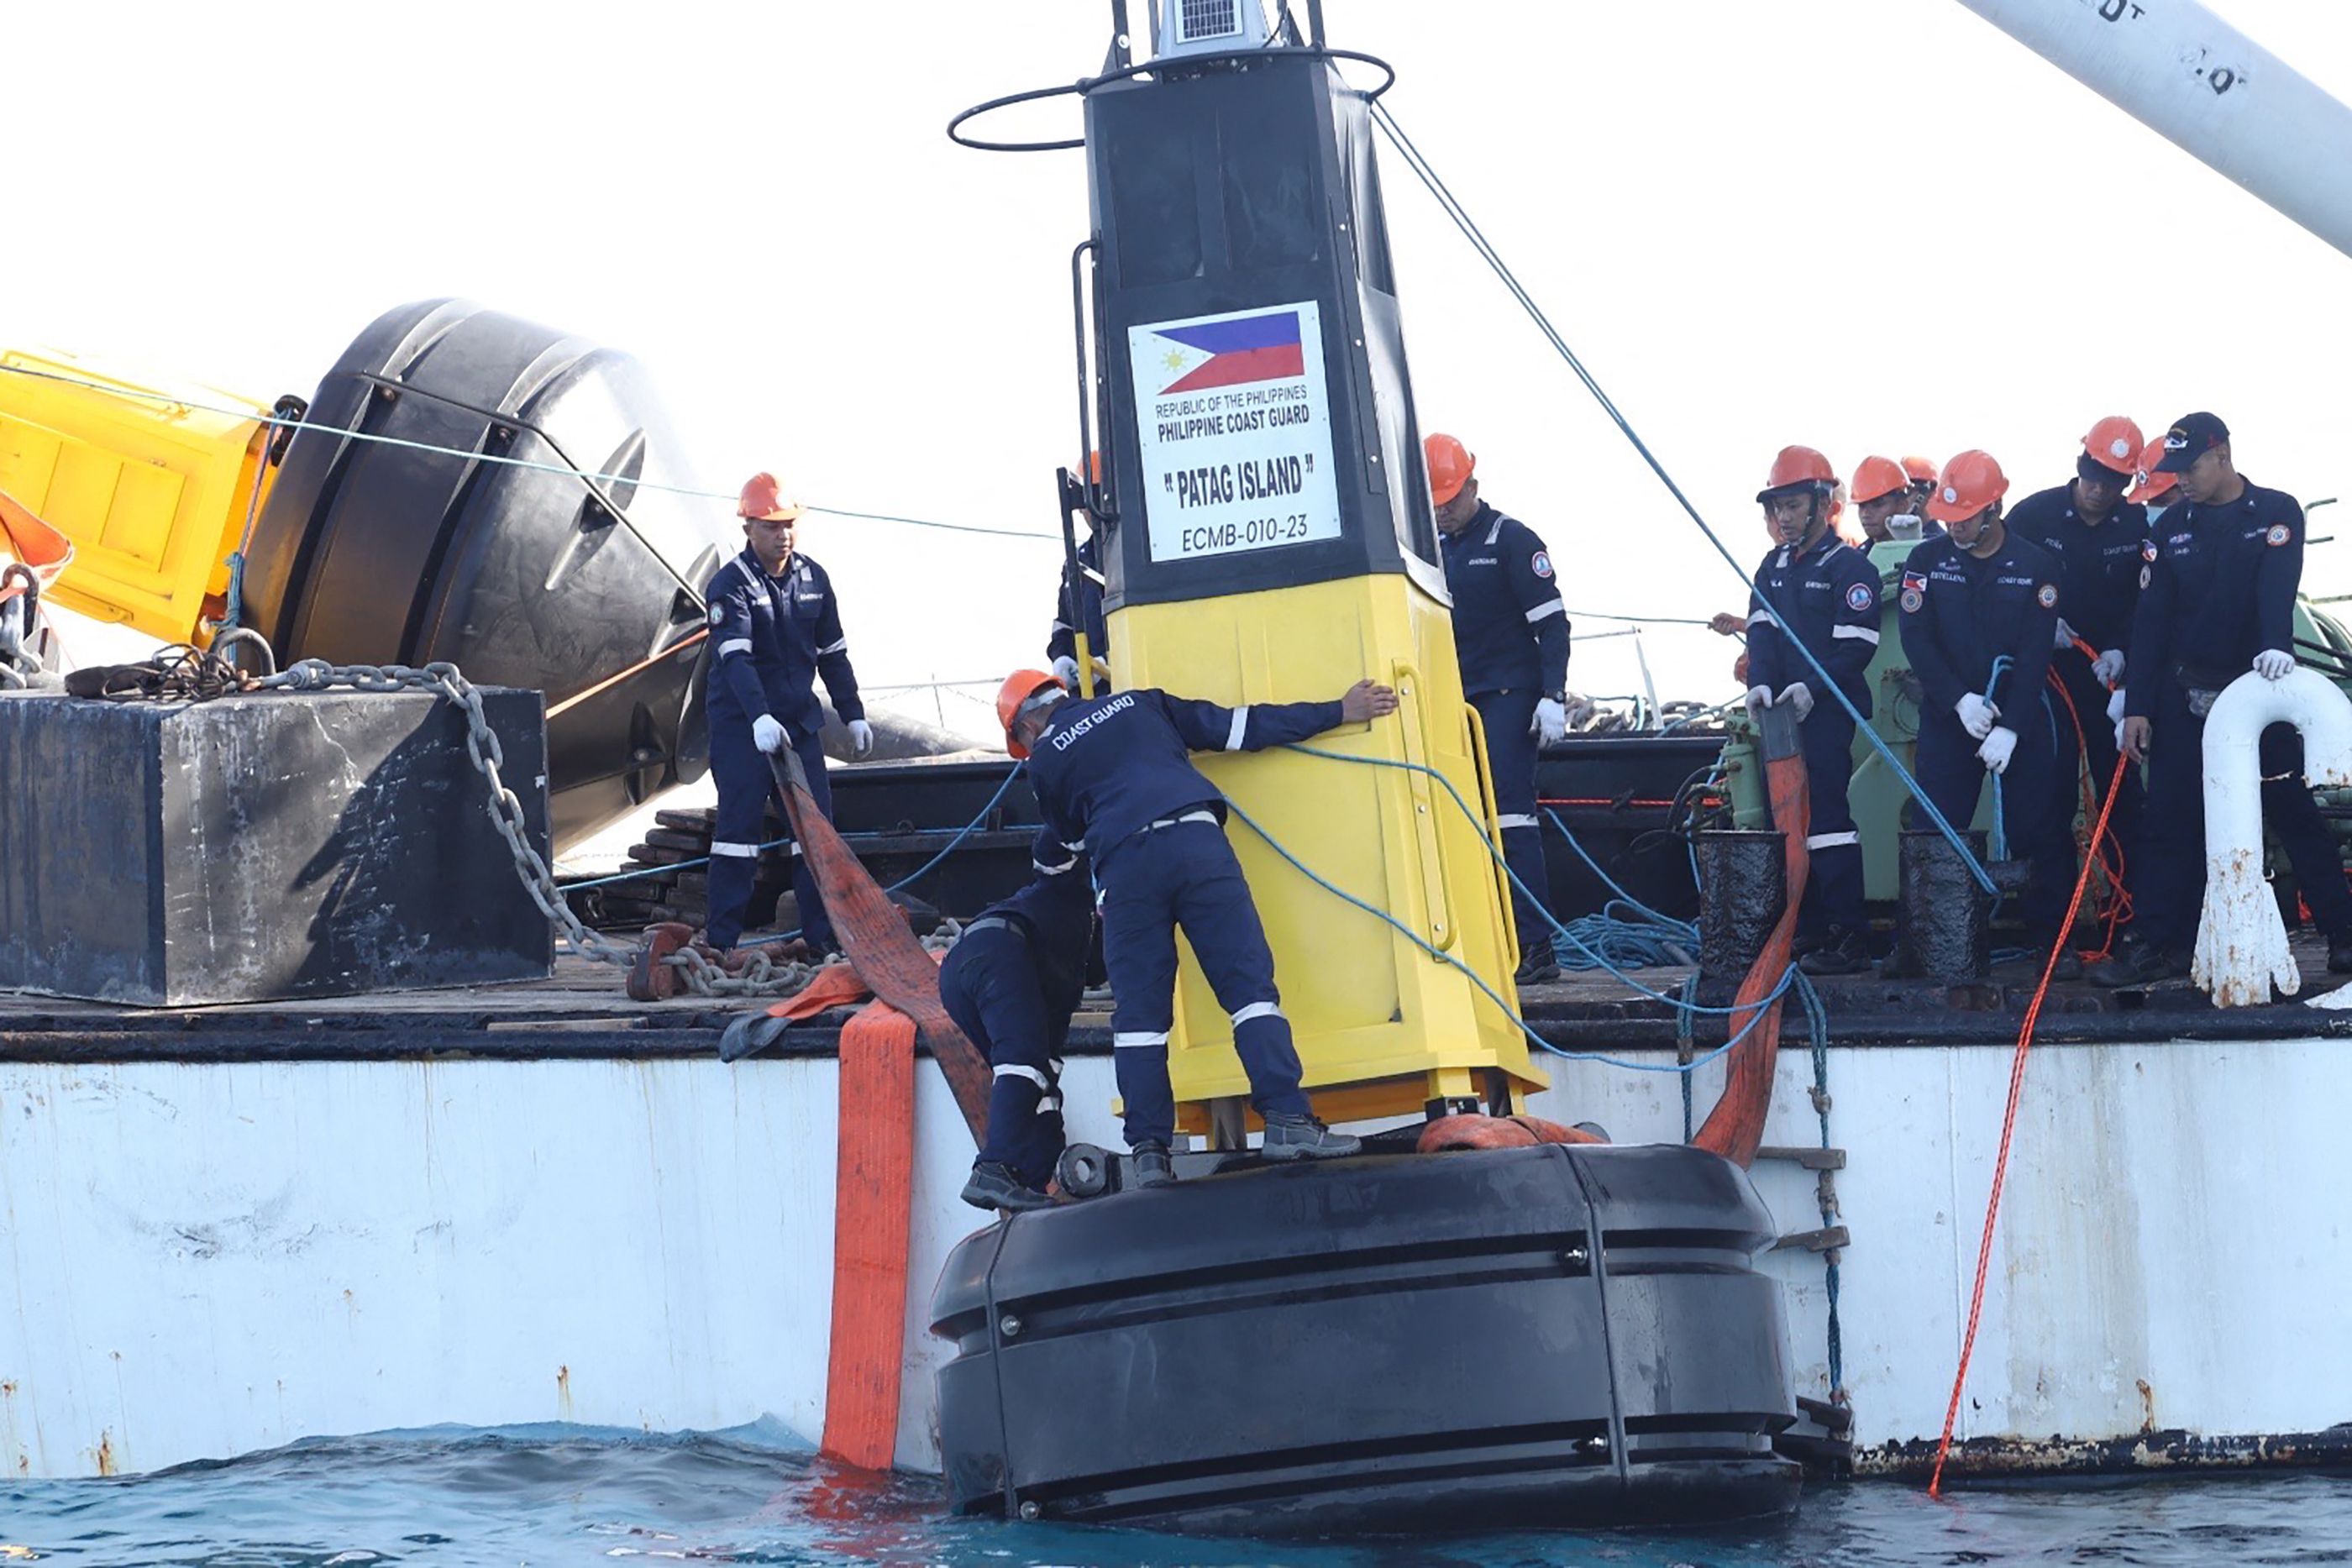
(1862,224)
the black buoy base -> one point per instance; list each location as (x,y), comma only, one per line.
(1559,1336)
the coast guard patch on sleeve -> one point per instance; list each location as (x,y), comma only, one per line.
(2279,534)
(1541,563)
(2046,596)
(1914,592)
(717,614)
(1861,597)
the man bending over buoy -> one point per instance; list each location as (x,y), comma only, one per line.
(1113,776)
(1011,983)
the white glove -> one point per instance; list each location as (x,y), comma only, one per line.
(2109,667)
(861,739)
(2272,663)
(1797,696)
(1065,670)
(1550,721)
(2065,636)
(1977,714)
(767,734)
(1758,699)
(1994,752)
(2115,707)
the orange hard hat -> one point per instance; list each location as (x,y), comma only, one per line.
(1920,470)
(1450,466)
(1968,484)
(2115,442)
(1878,476)
(763,499)
(1799,468)
(1018,688)
(2152,483)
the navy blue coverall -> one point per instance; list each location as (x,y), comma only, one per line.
(1011,983)
(770,638)
(1115,775)
(2220,587)
(1960,616)
(2098,583)
(1510,636)
(1826,597)
(1081,610)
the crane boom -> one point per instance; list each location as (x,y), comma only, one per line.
(2206,88)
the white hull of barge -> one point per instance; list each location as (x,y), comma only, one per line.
(208,1260)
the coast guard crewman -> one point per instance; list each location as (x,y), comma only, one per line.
(1881,492)
(1822,591)
(1011,983)
(1980,608)
(1079,607)
(1921,472)
(2096,535)
(774,627)
(1510,635)
(1113,776)
(2221,572)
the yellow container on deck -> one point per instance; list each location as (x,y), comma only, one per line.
(153,487)
(1383,1028)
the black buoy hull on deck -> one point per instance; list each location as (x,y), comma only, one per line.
(371,552)
(1553,1336)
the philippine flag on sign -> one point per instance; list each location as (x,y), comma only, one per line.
(1228,354)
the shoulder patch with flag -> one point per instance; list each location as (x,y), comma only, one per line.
(1914,592)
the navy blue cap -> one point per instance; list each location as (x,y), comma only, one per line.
(2191,436)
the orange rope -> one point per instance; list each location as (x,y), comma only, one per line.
(2009,1129)
(2109,851)
(574,701)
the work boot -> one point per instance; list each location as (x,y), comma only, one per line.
(1293,1137)
(1843,952)
(2138,964)
(1536,967)
(1148,1165)
(2339,953)
(993,1186)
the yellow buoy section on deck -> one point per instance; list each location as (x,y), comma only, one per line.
(1382,1026)
(151,485)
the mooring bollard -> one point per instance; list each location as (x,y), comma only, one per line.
(1742,885)
(1946,932)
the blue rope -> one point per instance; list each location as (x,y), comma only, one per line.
(1817,1025)
(1535,900)
(1761,1008)
(1427,174)
(1645,938)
